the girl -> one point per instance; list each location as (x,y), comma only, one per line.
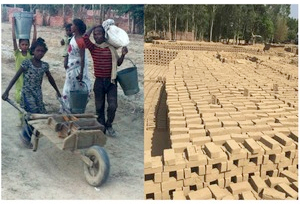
(33,71)
(77,69)
(21,53)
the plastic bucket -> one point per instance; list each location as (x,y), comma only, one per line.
(128,79)
(23,24)
(78,100)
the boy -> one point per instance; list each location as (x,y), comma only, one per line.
(106,60)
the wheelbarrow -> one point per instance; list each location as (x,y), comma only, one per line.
(73,132)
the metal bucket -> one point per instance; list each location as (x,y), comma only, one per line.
(23,24)
(78,100)
(128,79)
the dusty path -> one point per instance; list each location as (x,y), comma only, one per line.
(51,173)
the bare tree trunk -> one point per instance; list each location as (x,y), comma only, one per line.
(64,14)
(93,8)
(212,22)
(170,24)
(155,23)
(133,26)
(30,5)
(73,13)
(175,29)
(193,21)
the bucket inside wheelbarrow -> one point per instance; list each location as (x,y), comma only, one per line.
(79,99)
(128,79)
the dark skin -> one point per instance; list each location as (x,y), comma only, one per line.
(24,44)
(99,38)
(38,53)
(77,35)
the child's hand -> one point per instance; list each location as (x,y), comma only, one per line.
(5,96)
(34,20)
(62,42)
(58,94)
(124,50)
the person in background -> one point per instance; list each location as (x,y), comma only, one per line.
(77,68)
(21,52)
(65,42)
(31,99)
(106,60)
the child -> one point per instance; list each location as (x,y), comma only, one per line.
(33,71)
(21,53)
(106,60)
(66,42)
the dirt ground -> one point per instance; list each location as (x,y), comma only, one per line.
(51,173)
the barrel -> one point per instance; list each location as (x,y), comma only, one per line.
(128,79)
(23,24)
(78,100)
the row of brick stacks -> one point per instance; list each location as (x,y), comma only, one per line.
(232,128)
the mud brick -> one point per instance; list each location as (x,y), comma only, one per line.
(195,126)
(178,131)
(169,157)
(220,140)
(250,116)
(180,138)
(187,172)
(275,158)
(147,159)
(197,133)
(250,168)
(157,196)
(285,188)
(165,176)
(232,146)
(294,135)
(275,125)
(221,182)
(156,166)
(171,184)
(241,155)
(151,187)
(181,124)
(201,160)
(165,195)
(212,150)
(248,128)
(213,176)
(269,166)
(186,190)
(210,119)
(248,195)
(229,124)
(263,121)
(158,177)
(222,158)
(199,141)
(252,146)
(175,113)
(208,169)
(178,195)
(283,130)
(245,123)
(237,188)
(180,174)
(192,154)
(291,148)
(180,146)
(268,150)
(256,159)
(217,192)
(274,181)
(225,118)
(234,171)
(292,177)
(191,115)
(228,197)
(211,125)
(255,135)
(272,194)
(217,132)
(193,180)
(202,194)
(239,137)
(257,183)
(294,186)
(194,121)
(269,133)
(202,170)
(180,163)
(269,142)
(284,163)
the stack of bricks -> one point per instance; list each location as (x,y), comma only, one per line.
(231,134)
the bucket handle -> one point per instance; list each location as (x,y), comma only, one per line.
(130,61)
(82,83)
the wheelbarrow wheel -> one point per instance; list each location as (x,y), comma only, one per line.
(97,173)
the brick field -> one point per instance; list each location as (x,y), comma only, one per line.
(220,122)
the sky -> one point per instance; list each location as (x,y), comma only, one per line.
(294,11)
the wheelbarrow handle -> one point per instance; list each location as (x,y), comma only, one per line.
(11,102)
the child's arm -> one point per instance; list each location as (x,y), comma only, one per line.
(89,31)
(14,34)
(34,30)
(52,82)
(11,83)
(124,52)
(82,62)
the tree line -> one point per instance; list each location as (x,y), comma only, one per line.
(135,11)
(270,23)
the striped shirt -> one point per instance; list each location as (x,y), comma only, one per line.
(101,57)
